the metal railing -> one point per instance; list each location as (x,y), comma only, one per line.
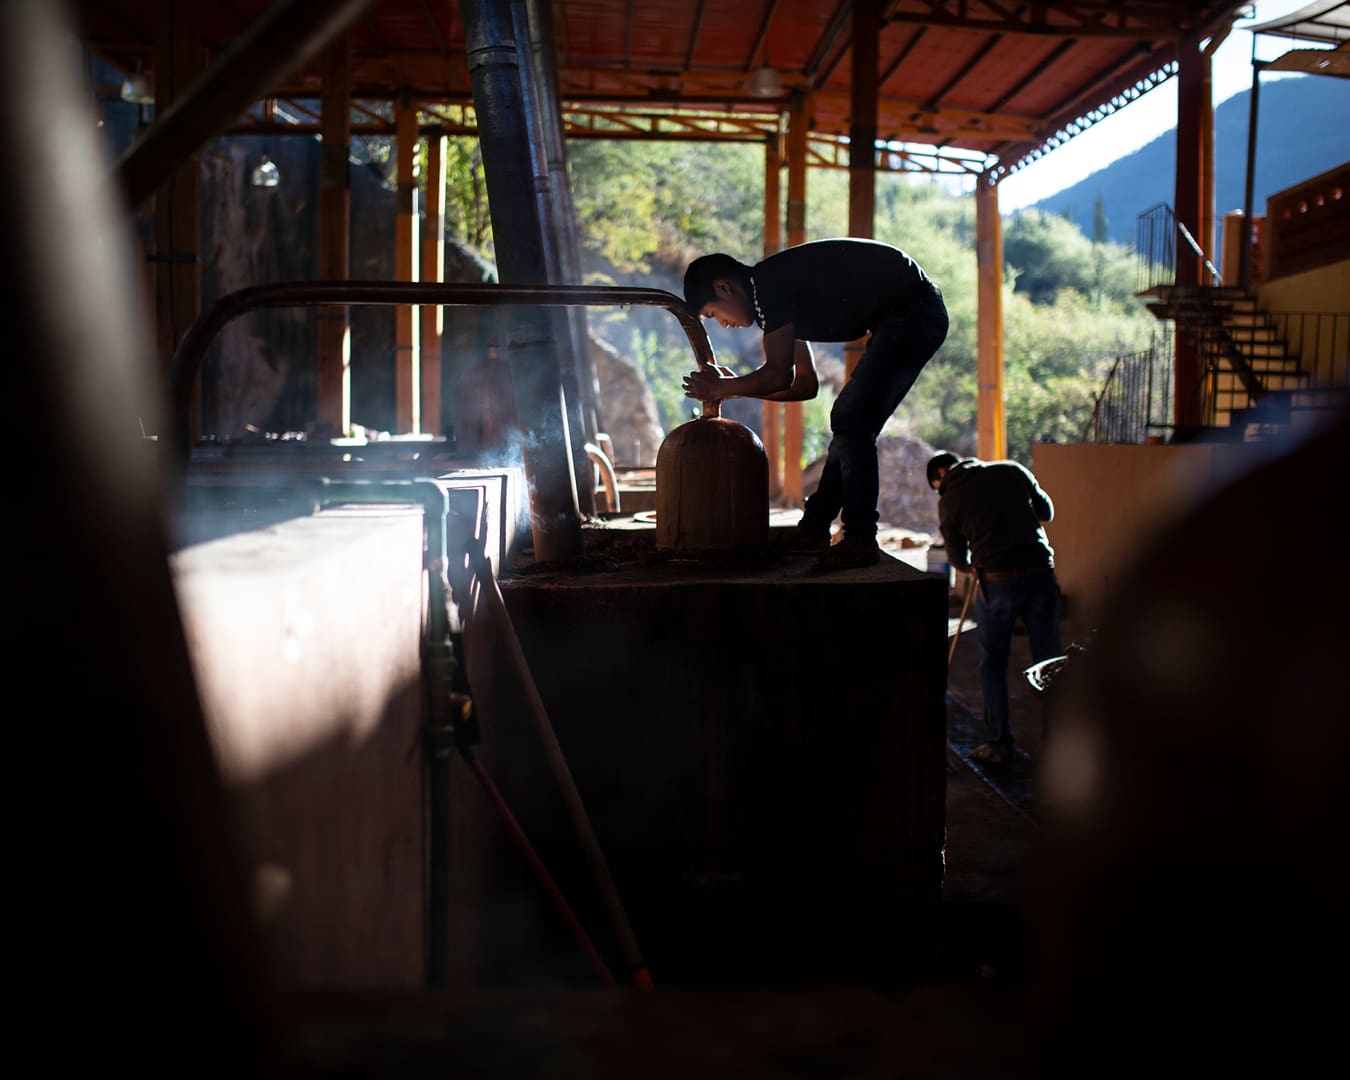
(1300,360)
(1155,248)
(1135,402)
(1156,232)
(1320,340)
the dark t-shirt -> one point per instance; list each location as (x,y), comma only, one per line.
(836,290)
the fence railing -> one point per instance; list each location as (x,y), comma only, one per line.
(1135,403)
(1156,233)
(1321,342)
(1155,248)
(1137,400)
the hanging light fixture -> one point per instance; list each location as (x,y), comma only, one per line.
(136,88)
(266,174)
(765,82)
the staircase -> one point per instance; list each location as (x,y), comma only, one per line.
(1256,387)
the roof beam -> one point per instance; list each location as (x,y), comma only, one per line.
(1163,20)
(899,118)
(838,26)
(761,35)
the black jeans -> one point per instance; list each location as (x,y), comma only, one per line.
(1035,599)
(896,352)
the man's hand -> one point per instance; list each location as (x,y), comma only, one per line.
(703,383)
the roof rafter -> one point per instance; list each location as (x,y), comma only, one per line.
(1078,19)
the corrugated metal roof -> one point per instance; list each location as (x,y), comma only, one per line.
(1327,21)
(990,78)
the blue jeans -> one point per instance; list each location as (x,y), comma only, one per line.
(1033,597)
(896,352)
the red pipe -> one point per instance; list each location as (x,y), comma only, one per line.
(550,886)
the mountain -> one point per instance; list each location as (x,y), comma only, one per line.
(1301,132)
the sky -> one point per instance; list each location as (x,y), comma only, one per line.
(1152,114)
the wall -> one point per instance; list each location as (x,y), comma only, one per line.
(1325,289)
(1304,305)
(1108,497)
(305,640)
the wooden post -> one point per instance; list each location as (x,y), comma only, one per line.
(862,138)
(1189,366)
(433,269)
(406,376)
(990,430)
(798,123)
(334,409)
(771,412)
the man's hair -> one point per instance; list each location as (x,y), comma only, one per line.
(703,271)
(944,459)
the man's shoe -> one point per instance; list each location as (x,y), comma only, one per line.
(805,540)
(849,555)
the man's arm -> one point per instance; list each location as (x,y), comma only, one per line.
(805,380)
(773,377)
(953,541)
(1041,505)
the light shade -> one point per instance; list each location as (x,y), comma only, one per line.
(266,174)
(136,89)
(766,82)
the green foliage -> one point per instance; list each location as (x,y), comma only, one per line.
(1049,252)
(639,204)
(657,358)
(816,425)
(467,217)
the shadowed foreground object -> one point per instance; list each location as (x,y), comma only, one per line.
(1190,904)
(131,941)
(712,488)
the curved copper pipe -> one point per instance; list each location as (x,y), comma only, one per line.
(608,479)
(187,359)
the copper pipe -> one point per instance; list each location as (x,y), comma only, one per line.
(187,360)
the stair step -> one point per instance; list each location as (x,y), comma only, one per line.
(1234,335)
(1228,381)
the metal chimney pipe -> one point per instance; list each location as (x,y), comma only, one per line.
(537,123)
(494,70)
(540,13)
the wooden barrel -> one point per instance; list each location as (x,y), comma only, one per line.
(712,488)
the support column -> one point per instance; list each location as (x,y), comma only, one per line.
(771,412)
(1188,201)
(799,119)
(990,429)
(407,411)
(334,407)
(433,269)
(177,249)
(862,138)
(1208,220)
(1254,109)
(494,68)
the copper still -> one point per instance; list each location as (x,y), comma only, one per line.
(712,489)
